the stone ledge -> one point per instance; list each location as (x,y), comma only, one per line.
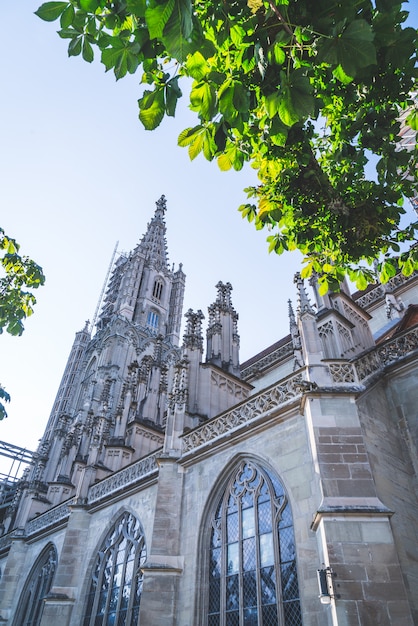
(349,507)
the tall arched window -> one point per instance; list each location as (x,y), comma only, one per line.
(252,559)
(39,582)
(116,585)
(157,290)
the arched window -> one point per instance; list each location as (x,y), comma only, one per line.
(157,290)
(39,582)
(153,320)
(116,584)
(252,560)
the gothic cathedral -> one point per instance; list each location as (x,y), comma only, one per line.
(176,486)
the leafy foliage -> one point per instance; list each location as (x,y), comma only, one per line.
(306,91)
(6,398)
(18,274)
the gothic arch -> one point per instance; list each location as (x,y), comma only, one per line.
(248,570)
(158,288)
(37,586)
(114,584)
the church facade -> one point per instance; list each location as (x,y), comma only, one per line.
(175,486)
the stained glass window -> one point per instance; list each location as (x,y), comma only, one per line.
(116,584)
(252,558)
(31,603)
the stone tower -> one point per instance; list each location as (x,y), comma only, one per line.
(110,408)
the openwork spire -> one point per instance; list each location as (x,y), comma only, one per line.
(154,243)
(193,337)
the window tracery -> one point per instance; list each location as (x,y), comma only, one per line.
(116,583)
(252,559)
(38,585)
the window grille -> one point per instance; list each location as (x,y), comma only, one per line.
(252,560)
(116,584)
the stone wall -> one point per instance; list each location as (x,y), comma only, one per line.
(281,445)
(382,410)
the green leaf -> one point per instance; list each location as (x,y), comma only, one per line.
(272,102)
(296,101)
(241,98)
(67,16)
(237,34)
(136,7)
(412,119)
(157,17)
(340,75)
(90,6)
(353,49)
(276,54)
(203,99)
(197,66)
(196,146)
(187,136)
(151,108)
(231,158)
(180,38)
(172,94)
(74,47)
(87,51)
(50,11)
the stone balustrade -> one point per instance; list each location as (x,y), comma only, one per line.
(124,478)
(273,398)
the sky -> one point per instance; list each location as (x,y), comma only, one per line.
(78,173)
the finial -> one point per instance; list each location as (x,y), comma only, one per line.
(193,337)
(292,319)
(161,205)
(224,295)
(304,304)
(296,341)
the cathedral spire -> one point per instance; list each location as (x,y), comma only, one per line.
(143,289)
(153,243)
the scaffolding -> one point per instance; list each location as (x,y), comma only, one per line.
(20,459)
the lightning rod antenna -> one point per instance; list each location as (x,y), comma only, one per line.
(106,280)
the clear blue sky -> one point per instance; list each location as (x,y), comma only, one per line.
(77,174)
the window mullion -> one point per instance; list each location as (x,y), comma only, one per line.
(240,566)
(114,553)
(224,560)
(135,566)
(122,578)
(258,565)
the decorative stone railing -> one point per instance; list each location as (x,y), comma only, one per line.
(50,518)
(374,360)
(386,353)
(124,478)
(343,373)
(264,362)
(274,398)
(379,292)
